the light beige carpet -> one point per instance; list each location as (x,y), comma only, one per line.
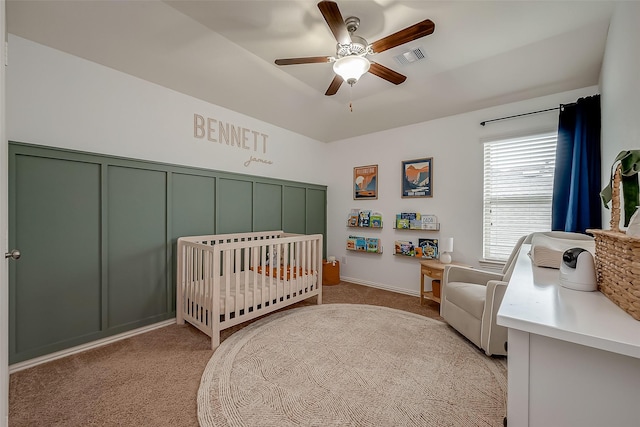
(351,365)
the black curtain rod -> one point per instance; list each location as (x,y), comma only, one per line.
(520,115)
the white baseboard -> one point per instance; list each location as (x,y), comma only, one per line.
(88,346)
(380,286)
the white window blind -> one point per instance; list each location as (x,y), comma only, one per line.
(518,187)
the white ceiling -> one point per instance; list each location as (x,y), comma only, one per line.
(482,53)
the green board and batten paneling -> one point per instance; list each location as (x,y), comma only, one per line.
(234,207)
(58,233)
(136,245)
(268,197)
(193,211)
(295,199)
(97,235)
(316,211)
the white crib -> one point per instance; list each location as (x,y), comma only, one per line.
(227,279)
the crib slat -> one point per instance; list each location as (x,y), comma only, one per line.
(273,271)
(262,278)
(250,270)
(237,275)
(179,280)
(276,277)
(199,287)
(206,314)
(184,285)
(190,281)
(227,283)
(302,267)
(296,274)
(215,299)
(245,275)
(285,283)
(190,278)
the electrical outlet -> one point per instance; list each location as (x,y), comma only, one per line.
(344,260)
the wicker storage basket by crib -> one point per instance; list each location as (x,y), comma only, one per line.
(618,260)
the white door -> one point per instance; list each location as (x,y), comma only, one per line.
(4,221)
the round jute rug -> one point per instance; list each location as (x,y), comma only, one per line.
(350,365)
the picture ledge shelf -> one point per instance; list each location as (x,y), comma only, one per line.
(435,227)
(379,252)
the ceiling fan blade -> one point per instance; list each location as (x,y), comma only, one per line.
(386,73)
(332,15)
(411,33)
(307,60)
(334,86)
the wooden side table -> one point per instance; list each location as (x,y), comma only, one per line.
(434,269)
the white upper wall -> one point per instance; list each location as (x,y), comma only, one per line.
(620,83)
(59,100)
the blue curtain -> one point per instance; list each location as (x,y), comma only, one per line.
(576,185)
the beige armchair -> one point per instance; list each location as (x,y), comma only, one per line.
(470,299)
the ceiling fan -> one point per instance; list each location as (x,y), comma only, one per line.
(351,61)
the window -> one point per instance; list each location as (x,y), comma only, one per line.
(518,187)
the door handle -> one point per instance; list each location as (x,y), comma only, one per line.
(14,254)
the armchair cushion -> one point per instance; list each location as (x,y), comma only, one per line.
(468,296)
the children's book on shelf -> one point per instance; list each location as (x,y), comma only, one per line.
(373,244)
(410,218)
(429,222)
(427,219)
(365,217)
(375,220)
(351,243)
(404,247)
(401,222)
(427,248)
(354,217)
(415,223)
(364,244)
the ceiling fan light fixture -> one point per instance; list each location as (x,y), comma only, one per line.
(351,68)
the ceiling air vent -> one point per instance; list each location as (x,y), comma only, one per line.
(411,56)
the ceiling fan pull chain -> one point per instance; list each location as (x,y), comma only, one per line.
(350,98)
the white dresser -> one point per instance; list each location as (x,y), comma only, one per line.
(574,357)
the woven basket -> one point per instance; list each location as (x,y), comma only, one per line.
(618,260)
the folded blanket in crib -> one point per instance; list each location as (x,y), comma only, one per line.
(546,251)
(272,272)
